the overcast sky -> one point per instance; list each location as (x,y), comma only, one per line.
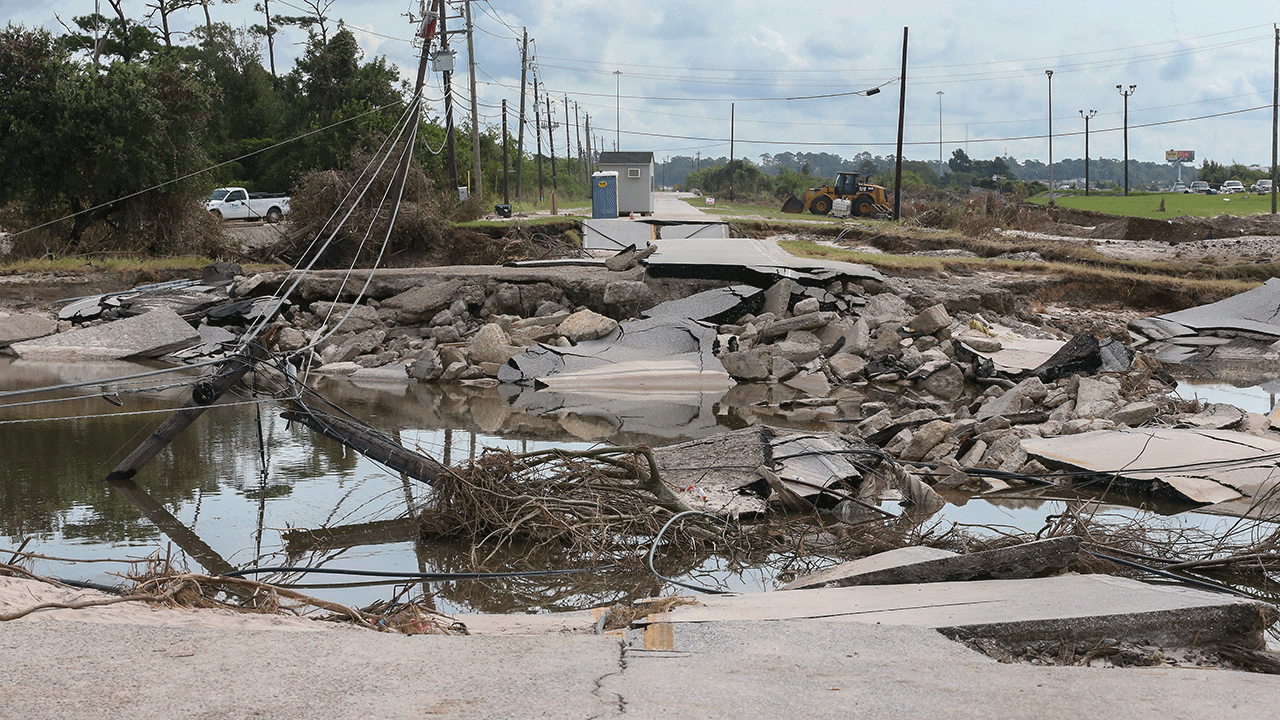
(1203,71)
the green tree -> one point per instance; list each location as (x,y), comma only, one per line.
(92,143)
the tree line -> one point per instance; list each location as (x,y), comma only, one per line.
(126,133)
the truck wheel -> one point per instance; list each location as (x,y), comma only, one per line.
(863,206)
(216,215)
(821,205)
(274,215)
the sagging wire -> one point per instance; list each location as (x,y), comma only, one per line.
(654,547)
(317,252)
(441,576)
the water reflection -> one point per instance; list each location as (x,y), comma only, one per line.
(248,484)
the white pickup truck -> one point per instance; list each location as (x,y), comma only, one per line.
(234,203)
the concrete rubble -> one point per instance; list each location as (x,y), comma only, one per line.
(940,385)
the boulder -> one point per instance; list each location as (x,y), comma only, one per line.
(806,306)
(947,383)
(749,365)
(846,367)
(930,320)
(625,299)
(427,367)
(1136,413)
(25,326)
(586,325)
(491,344)
(924,439)
(1097,397)
(416,306)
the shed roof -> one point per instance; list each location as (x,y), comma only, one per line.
(625,158)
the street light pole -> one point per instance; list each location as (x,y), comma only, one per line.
(617,109)
(1086,117)
(1126,94)
(1049,74)
(940,165)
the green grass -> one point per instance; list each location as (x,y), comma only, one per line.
(1147,205)
(727,208)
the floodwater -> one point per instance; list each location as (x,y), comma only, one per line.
(257,490)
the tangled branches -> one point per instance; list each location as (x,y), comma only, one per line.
(602,503)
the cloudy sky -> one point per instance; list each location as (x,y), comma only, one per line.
(666,75)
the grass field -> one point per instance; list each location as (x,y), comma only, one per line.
(1148,205)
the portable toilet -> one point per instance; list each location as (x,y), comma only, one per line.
(604,195)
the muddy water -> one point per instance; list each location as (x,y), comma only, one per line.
(245,481)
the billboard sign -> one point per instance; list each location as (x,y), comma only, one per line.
(1179,155)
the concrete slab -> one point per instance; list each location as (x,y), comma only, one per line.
(156,333)
(1033,559)
(889,559)
(716,306)
(1196,465)
(614,235)
(1081,606)
(1254,312)
(639,356)
(747,259)
(17,327)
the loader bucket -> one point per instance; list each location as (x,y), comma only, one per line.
(792,205)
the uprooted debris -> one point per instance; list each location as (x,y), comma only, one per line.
(610,502)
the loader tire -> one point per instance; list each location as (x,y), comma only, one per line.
(864,206)
(821,205)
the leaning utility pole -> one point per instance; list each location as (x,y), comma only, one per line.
(475,108)
(524,70)
(537,126)
(551,146)
(447,81)
(577,135)
(568,143)
(902,109)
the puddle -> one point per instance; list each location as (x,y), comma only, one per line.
(54,456)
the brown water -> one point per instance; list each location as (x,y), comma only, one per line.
(244,481)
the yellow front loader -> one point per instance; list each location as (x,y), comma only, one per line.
(866,200)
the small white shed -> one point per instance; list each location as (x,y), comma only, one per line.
(635,180)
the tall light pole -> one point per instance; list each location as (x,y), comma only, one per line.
(940,165)
(617,109)
(1126,94)
(1049,74)
(1086,117)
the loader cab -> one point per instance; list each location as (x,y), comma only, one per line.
(846,184)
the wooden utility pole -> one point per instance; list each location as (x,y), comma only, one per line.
(506,187)
(551,146)
(731,118)
(577,135)
(591,158)
(524,72)
(568,144)
(447,80)
(478,189)
(902,109)
(1275,119)
(537,127)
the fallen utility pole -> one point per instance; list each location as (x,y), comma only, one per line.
(366,442)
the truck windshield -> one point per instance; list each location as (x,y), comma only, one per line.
(219,194)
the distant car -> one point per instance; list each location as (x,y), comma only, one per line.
(1262,186)
(1231,186)
(1199,186)
(1179,188)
